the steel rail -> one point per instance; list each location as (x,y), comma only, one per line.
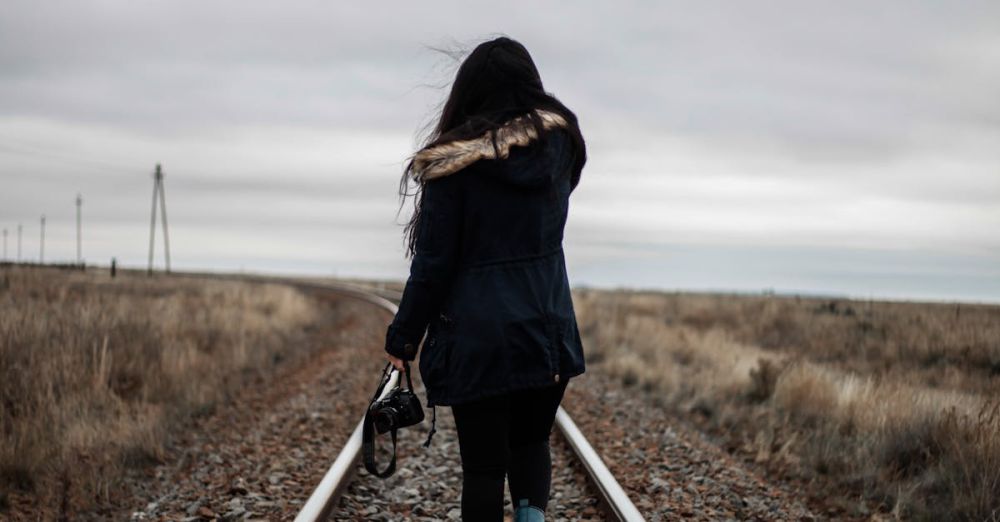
(611,491)
(324,498)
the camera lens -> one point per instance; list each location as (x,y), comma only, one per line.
(385,419)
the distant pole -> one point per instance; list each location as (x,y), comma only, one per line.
(163,214)
(152,219)
(158,195)
(41,244)
(79,249)
(18,242)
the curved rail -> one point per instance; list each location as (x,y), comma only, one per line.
(617,501)
(326,494)
(324,498)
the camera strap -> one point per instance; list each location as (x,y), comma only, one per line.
(368,445)
(434,419)
(368,432)
(368,427)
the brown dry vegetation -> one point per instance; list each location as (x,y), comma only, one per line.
(891,404)
(94,371)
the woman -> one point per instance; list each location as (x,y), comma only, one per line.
(488,279)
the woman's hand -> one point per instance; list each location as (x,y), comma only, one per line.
(396,362)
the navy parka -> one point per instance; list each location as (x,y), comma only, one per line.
(488,281)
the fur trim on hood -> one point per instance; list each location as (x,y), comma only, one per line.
(449,158)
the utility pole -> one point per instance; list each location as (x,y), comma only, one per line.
(41,245)
(18,242)
(163,214)
(79,249)
(158,195)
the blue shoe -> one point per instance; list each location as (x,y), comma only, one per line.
(526,513)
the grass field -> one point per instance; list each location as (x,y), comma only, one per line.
(95,372)
(868,405)
(892,404)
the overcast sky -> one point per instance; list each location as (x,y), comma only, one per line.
(835,147)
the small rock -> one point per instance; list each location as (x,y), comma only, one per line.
(239,488)
(193,507)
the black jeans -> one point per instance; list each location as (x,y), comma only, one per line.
(506,435)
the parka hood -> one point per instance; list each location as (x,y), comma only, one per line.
(449,158)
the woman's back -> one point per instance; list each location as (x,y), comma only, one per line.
(516,208)
(506,320)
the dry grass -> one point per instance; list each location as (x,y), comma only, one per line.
(894,402)
(95,371)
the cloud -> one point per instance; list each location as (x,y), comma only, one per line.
(852,126)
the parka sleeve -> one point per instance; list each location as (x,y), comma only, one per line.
(432,267)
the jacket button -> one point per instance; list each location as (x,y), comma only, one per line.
(557,377)
(409,350)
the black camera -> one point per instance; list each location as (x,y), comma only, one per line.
(399,409)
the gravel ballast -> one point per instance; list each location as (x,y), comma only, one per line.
(427,483)
(259,457)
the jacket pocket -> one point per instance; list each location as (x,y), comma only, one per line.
(527,349)
(434,357)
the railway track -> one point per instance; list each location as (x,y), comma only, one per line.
(262,455)
(325,497)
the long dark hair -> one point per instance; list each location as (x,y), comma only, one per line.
(496,82)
